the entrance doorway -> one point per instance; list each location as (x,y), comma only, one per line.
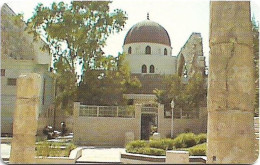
(148,123)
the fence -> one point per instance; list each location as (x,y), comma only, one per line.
(149,110)
(182,114)
(107,111)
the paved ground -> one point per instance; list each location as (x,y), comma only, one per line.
(89,154)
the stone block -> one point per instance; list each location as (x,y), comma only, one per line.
(230,25)
(231,130)
(29,86)
(25,116)
(177,157)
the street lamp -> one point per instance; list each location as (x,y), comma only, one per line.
(172,106)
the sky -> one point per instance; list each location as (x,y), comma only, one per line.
(179,18)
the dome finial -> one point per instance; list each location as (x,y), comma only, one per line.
(148,16)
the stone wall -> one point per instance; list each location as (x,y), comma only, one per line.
(114,131)
(191,54)
(105,131)
(181,125)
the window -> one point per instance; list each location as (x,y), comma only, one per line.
(151,69)
(2,72)
(165,51)
(144,69)
(11,81)
(148,50)
(129,50)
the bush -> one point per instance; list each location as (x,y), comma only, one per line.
(137,144)
(43,149)
(201,138)
(165,144)
(185,140)
(147,151)
(46,149)
(153,151)
(198,150)
(169,143)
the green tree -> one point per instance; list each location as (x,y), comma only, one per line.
(106,85)
(187,97)
(75,34)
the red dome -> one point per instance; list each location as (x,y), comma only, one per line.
(147,31)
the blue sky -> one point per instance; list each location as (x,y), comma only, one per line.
(179,18)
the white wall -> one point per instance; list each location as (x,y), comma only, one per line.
(164,64)
(139,48)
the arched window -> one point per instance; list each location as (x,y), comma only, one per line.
(165,51)
(144,69)
(151,69)
(148,50)
(129,50)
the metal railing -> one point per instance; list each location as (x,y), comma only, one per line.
(182,114)
(149,110)
(107,111)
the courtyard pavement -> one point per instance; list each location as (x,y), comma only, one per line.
(89,154)
(99,155)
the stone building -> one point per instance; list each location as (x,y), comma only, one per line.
(149,56)
(20,54)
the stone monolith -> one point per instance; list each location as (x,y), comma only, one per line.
(25,119)
(231,88)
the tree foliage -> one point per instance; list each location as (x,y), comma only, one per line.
(186,96)
(81,27)
(75,34)
(106,85)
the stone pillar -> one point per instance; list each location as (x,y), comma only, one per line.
(177,157)
(160,126)
(231,88)
(26,118)
(138,114)
(76,134)
(76,110)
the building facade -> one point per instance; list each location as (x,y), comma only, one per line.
(20,54)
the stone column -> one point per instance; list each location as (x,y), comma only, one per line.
(76,135)
(161,128)
(231,84)
(138,114)
(25,119)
